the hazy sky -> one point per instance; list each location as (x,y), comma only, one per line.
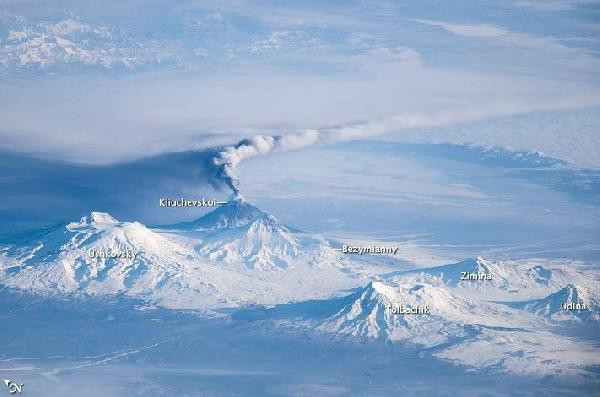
(128,79)
(94,90)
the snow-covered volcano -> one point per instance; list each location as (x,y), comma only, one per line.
(239,232)
(236,213)
(380,311)
(96,254)
(99,255)
(570,303)
(441,319)
(240,257)
(497,278)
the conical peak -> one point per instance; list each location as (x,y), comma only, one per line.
(561,302)
(572,292)
(480,260)
(475,265)
(377,290)
(482,264)
(379,287)
(235,213)
(97,217)
(102,217)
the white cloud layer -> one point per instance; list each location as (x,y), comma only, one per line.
(555,5)
(548,44)
(113,119)
(212,74)
(467,30)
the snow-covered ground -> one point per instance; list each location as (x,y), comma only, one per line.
(256,260)
(462,134)
(113,347)
(243,268)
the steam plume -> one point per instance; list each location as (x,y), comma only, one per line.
(259,145)
(226,161)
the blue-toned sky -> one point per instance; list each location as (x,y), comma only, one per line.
(96,98)
(104,83)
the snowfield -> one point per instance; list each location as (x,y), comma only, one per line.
(255,260)
(241,260)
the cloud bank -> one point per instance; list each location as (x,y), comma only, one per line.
(105,86)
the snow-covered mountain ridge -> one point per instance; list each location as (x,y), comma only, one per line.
(65,258)
(235,213)
(241,257)
(498,278)
(571,303)
(449,324)
(239,232)
(99,255)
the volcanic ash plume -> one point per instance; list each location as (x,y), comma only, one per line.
(259,145)
(227,160)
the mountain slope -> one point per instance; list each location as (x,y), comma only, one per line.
(164,268)
(240,233)
(475,333)
(235,213)
(493,277)
(78,256)
(574,297)
(367,313)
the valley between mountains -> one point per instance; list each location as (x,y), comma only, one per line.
(240,265)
